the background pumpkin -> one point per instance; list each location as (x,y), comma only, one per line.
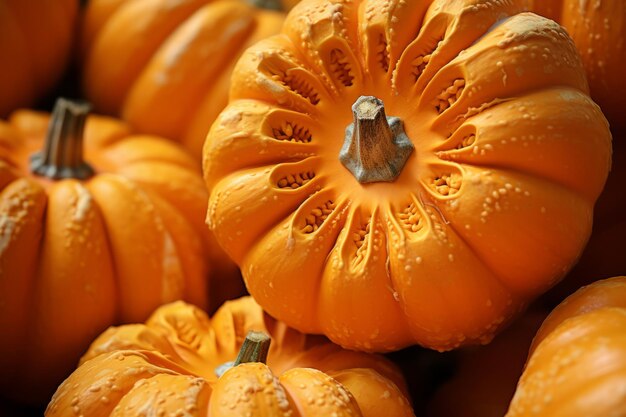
(35,42)
(492,207)
(165,66)
(169,364)
(80,250)
(577,362)
(598,29)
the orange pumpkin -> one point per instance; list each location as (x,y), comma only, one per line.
(598,29)
(577,362)
(84,245)
(170,365)
(164,66)
(485,152)
(35,41)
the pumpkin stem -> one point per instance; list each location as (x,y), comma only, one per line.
(254,348)
(375,147)
(62,155)
(267,4)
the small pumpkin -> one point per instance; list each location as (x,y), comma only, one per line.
(598,29)
(577,361)
(86,243)
(164,66)
(171,364)
(406,172)
(35,43)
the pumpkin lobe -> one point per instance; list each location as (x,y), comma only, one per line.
(62,156)
(254,348)
(376,146)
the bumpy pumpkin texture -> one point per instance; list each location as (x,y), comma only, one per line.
(577,362)
(87,245)
(35,43)
(165,66)
(598,28)
(168,366)
(489,209)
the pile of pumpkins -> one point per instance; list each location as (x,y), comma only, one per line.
(312,208)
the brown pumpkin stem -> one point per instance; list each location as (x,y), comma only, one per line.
(62,155)
(267,4)
(375,147)
(254,348)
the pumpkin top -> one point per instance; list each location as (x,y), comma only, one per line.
(452,239)
(80,145)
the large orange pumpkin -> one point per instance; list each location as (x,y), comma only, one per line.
(577,362)
(395,172)
(598,28)
(35,42)
(164,66)
(170,365)
(84,245)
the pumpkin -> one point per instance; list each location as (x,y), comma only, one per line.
(577,361)
(35,42)
(486,376)
(598,29)
(391,172)
(171,365)
(86,243)
(164,66)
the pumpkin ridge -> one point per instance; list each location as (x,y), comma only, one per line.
(455,229)
(495,278)
(116,280)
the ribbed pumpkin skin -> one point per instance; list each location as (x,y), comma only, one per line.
(164,66)
(598,28)
(405,262)
(167,366)
(78,256)
(35,42)
(577,363)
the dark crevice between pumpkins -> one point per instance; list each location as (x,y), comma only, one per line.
(62,155)
(254,348)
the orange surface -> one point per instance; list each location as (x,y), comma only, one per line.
(577,365)
(78,256)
